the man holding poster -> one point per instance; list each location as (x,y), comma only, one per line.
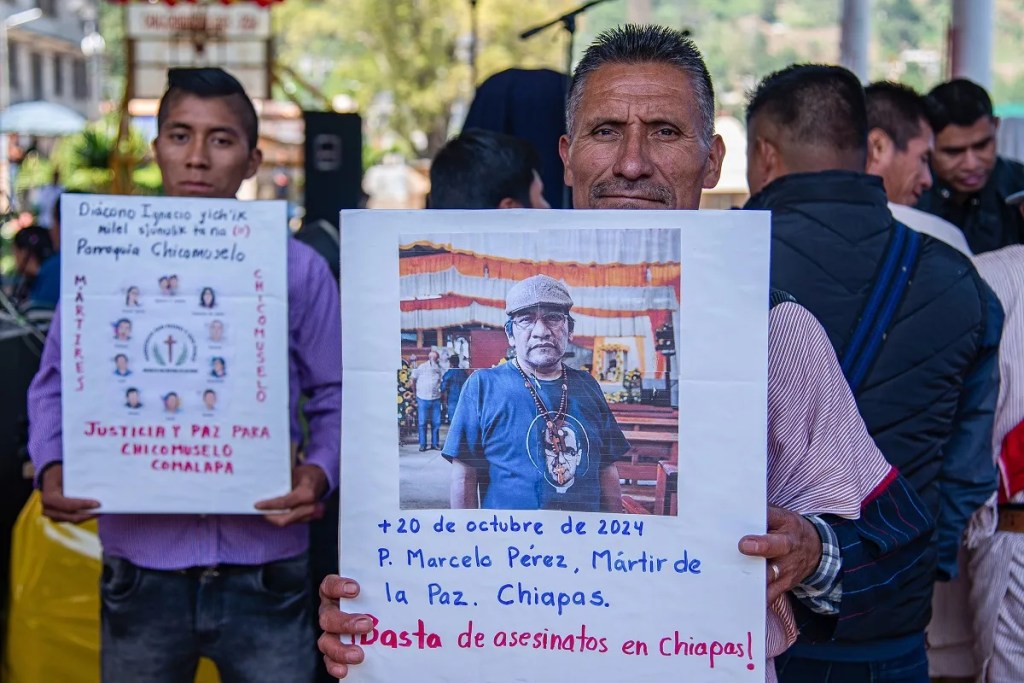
(641,136)
(230,588)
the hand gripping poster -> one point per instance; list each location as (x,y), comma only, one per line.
(553,438)
(174,370)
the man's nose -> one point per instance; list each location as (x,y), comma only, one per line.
(633,160)
(926,177)
(540,329)
(197,154)
(971,159)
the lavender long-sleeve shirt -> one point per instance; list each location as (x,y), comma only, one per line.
(314,369)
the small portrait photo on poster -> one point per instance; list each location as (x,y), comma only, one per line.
(207,299)
(216,331)
(122,330)
(121,368)
(539,381)
(132,399)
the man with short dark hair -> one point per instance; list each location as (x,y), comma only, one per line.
(481,169)
(900,142)
(451,384)
(909,318)
(971,181)
(233,588)
(641,135)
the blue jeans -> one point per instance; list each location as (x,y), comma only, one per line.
(253,622)
(429,410)
(909,668)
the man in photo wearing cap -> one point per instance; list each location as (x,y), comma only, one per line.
(540,434)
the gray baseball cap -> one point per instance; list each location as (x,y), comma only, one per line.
(535,291)
(1015,198)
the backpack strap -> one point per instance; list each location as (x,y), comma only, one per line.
(890,287)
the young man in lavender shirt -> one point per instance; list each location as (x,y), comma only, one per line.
(231,588)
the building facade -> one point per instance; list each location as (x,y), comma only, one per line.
(45,57)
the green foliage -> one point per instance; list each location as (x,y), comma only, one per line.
(405,62)
(84,159)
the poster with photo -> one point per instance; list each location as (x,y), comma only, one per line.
(578,446)
(174,353)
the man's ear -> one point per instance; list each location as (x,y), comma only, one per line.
(770,161)
(255,159)
(509,203)
(716,155)
(880,151)
(563,151)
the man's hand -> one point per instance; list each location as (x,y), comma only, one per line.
(55,505)
(792,547)
(309,484)
(335,623)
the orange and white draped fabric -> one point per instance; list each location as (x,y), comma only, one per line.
(623,283)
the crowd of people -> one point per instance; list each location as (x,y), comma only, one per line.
(895,443)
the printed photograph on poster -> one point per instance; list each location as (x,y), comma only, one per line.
(486,540)
(541,382)
(174,353)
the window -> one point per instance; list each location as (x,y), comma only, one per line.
(37,76)
(14,64)
(81,79)
(58,75)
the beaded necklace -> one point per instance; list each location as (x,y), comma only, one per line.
(554,426)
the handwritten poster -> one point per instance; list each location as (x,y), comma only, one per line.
(174,349)
(508,524)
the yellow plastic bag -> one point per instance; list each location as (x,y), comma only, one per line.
(53,627)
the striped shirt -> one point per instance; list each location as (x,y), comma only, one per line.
(1003,270)
(821,459)
(314,369)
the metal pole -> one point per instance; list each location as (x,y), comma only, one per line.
(973,28)
(5,179)
(855,40)
(474,39)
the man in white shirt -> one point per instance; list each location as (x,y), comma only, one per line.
(426,383)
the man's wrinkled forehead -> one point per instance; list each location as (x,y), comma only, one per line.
(640,86)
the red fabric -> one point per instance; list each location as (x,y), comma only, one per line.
(1011,460)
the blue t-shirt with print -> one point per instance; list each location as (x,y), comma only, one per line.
(498,430)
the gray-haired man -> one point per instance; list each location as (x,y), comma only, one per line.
(571,435)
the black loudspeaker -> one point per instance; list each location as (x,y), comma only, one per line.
(334,164)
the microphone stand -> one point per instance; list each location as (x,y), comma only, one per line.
(473,41)
(568,22)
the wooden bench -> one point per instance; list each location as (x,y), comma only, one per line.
(666,490)
(648,448)
(630,423)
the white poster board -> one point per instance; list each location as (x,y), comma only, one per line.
(541,595)
(174,353)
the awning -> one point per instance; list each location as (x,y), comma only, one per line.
(44,119)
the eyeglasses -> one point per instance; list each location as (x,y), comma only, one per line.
(551,320)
